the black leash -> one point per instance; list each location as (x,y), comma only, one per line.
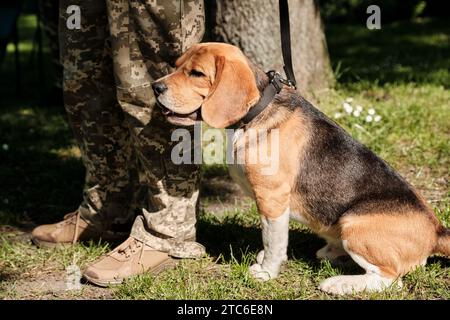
(286,42)
(276,81)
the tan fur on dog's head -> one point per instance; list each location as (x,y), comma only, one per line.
(212,78)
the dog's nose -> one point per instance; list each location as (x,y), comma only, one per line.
(159,88)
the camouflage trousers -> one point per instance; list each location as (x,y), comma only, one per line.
(109,64)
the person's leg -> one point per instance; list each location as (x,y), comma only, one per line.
(147,37)
(98,126)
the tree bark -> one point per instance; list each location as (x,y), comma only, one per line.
(254,26)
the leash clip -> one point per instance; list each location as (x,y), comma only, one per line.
(289,83)
(277,81)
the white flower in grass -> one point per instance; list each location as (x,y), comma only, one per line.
(337,115)
(369,118)
(377,118)
(349,99)
(5,147)
(347,107)
(371,111)
(356,113)
(359,108)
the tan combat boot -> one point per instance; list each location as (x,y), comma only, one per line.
(69,231)
(129,259)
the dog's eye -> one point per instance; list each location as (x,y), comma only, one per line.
(196,73)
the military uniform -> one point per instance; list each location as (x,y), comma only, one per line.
(109,64)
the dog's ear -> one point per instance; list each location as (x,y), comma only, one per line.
(232,94)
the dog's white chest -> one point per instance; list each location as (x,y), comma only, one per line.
(237,171)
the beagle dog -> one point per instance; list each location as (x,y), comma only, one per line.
(325,179)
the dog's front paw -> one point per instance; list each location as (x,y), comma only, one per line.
(260,257)
(258,273)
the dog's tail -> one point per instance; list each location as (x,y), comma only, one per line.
(443,243)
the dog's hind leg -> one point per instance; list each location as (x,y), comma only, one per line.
(372,280)
(331,251)
(386,246)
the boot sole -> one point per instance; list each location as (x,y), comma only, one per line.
(50,245)
(168,264)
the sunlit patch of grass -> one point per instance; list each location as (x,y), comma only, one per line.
(444,214)
(21,259)
(415,126)
(69,152)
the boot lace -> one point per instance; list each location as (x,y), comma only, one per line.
(69,219)
(132,248)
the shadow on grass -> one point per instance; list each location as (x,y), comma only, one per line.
(39,183)
(397,53)
(238,238)
(218,189)
(443,261)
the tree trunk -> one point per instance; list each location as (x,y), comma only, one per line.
(254,26)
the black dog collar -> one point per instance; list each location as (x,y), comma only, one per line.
(274,87)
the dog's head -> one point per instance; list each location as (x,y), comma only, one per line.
(212,82)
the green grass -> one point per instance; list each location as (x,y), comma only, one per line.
(402,71)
